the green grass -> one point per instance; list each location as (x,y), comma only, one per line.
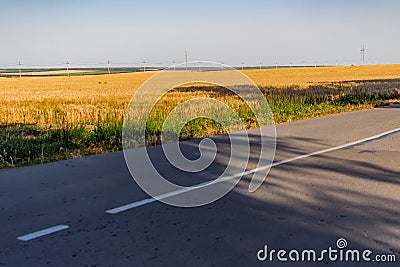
(32,144)
(15,72)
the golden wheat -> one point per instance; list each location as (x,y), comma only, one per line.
(88,99)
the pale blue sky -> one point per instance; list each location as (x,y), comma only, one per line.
(45,32)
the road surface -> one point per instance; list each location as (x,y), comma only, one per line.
(310,202)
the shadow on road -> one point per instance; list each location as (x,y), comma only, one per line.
(305,204)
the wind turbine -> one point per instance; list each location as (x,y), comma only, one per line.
(362,51)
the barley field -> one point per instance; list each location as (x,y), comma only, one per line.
(50,118)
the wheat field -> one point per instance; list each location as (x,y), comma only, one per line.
(304,77)
(43,119)
(87,99)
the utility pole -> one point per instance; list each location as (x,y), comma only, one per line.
(19,68)
(186,59)
(67,63)
(144,65)
(108,67)
(276,65)
(362,50)
(242,65)
(173,62)
(260,65)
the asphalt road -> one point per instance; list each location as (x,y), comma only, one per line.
(308,203)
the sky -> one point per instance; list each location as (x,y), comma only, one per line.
(49,33)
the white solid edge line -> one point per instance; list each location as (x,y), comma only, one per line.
(219,180)
(43,232)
